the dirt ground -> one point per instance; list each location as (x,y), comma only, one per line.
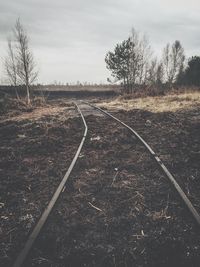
(118,209)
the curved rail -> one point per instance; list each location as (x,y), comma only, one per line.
(158,161)
(23,254)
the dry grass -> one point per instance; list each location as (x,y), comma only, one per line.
(35,114)
(13,109)
(166,103)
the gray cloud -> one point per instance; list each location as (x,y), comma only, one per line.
(70,38)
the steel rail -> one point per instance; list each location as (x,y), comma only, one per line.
(28,245)
(158,161)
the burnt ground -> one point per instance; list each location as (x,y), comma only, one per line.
(118,209)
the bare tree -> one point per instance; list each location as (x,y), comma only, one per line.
(24,58)
(140,58)
(155,73)
(144,59)
(166,62)
(134,56)
(159,74)
(178,57)
(152,71)
(173,61)
(11,66)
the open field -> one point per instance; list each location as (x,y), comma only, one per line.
(117,209)
(92,88)
(170,102)
(51,92)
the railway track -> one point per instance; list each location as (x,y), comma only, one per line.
(36,231)
(160,164)
(22,256)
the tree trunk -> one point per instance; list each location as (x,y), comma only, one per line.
(17,95)
(125,89)
(28,95)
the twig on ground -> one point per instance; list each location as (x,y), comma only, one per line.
(115,177)
(94,207)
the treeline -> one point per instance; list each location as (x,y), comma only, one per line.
(132,63)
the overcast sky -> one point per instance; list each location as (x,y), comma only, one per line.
(69,39)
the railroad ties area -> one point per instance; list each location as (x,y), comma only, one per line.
(118,208)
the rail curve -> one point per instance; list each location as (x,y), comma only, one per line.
(161,165)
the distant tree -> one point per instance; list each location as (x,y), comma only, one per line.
(155,73)
(140,57)
(24,58)
(134,57)
(118,62)
(191,75)
(173,61)
(130,60)
(152,71)
(159,74)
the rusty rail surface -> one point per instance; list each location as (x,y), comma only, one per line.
(28,245)
(164,169)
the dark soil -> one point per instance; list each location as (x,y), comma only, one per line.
(118,209)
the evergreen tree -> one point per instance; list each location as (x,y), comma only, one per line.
(191,76)
(118,62)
